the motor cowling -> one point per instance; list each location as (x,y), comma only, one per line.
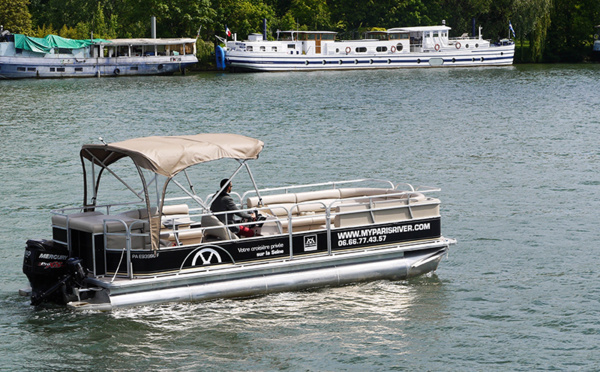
(49,268)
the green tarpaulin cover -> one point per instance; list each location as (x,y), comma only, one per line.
(44,45)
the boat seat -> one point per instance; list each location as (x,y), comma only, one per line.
(215,229)
(179,213)
(186,237)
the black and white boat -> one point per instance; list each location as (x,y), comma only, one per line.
(164,244)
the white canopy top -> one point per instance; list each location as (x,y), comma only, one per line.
(169,155)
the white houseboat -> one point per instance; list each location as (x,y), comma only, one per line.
(428,46)
(56,57)
(165,244)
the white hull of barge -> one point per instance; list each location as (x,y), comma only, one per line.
(260,279)
(498,56)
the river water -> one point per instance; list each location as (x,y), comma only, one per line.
(515,150)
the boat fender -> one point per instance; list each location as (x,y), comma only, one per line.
(220,56)
(437,47)
(457,45)
(117,71)
(348,50)
(393,49)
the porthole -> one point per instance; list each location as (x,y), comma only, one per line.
(399,47)
(467,46)
(360,50)
(476,45)
(381,49)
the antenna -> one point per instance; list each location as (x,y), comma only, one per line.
(102,140)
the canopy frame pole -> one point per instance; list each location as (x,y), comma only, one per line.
(196,198)
(260,202)
(104,166)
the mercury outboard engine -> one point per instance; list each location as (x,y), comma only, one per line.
(51,273)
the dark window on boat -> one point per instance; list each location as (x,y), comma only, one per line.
(291,46)
(382,49)
(31,69)
(399,47)
(60,69)
(64,51)
(274,49)
(78,69)
(249,48)
(263,49)
(134,68)
(52,69)
(435,34)
(21,69)
(397,36)
(361,50)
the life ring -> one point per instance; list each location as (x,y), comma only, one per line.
(457,45)
(348,50)
(117,71)
(393,49)
(437,47)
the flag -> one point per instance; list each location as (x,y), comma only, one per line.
(227,32)
(511,29)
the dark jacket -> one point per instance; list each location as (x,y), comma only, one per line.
(223,203)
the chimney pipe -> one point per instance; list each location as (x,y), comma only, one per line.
(153,27)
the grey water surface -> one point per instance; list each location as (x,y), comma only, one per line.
(515,150)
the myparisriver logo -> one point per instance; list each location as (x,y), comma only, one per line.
(384,231)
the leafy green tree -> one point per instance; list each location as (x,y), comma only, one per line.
(573,23)
(312,13)
(15,16)
(241,16)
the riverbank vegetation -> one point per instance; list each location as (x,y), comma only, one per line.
(545,30)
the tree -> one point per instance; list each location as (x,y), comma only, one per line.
(15,16)
(241,16)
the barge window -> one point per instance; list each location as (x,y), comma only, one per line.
(263,49)
(382,49)
(249,48)
(52,69)
(21,69)
(134,68)
(291,46)
(274,49)
(64,51)
(31,69)
(78,69)
(361,50)
(60,69)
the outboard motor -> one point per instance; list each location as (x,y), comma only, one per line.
(49,268)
